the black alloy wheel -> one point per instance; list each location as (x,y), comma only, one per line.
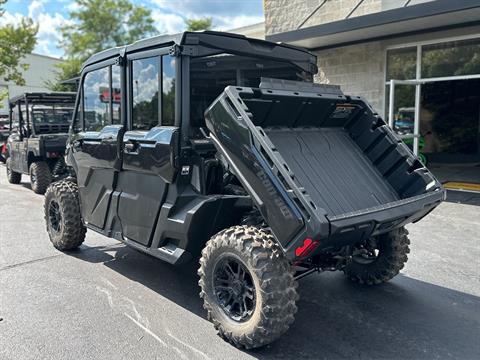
(234,288)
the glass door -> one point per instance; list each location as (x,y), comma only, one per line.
(404,111)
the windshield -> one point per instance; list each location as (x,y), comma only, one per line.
(53,115)
(47,119)
(210,75)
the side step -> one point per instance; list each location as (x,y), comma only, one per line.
(169,253)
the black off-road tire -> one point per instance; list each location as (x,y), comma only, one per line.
(12,176)
(40,177)
(70,231)
(393,248)
(274,286)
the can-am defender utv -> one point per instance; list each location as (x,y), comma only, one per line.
(39,124)
(205,153)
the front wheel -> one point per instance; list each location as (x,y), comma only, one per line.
(62,215)
(247,286)
(12,176)
(380,259)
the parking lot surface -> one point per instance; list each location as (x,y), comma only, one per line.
(106,301)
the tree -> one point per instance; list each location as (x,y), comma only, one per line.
(99,25)
(199,24)
(15,42)
(66,70)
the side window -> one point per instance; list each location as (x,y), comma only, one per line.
(145,89)
(96,99)
(168,90)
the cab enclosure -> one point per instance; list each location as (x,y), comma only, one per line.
(174,139)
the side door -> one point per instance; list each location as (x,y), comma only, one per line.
(150,145)
(95,144)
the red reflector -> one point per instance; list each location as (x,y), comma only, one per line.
(306,248)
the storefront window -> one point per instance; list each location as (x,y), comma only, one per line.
(452,58)
(401,63)
(403,109)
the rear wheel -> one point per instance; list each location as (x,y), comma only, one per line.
(40,176)
(12,176)
(247,286)
(380,259)
(62,215)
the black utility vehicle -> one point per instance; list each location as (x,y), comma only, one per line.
(39,124)
(220,146)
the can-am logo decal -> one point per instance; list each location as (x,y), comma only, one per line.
(272,191)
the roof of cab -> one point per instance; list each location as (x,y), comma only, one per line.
(185,38)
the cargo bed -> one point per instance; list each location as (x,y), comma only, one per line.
(332,169)
(319,164)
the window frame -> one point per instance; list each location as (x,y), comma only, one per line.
(158,53)
(418,76)
(80,100)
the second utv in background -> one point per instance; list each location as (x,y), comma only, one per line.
(39,124)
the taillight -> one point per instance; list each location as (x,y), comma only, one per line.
(306,248)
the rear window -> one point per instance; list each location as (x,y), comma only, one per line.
(210,75)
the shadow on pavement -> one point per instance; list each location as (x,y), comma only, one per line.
(26,185)
(463,197)
(404,319)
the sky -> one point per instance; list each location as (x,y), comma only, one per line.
(169,16)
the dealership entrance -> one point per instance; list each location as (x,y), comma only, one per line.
(438,114)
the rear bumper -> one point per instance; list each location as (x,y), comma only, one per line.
(355,227)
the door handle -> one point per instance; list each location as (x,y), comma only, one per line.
(131,146)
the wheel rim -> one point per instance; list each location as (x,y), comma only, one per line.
(234,288)
(55,216)
(33,177)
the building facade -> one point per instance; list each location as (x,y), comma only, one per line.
(358,62)
(40,72)
(428,51)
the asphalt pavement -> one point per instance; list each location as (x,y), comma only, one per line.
(107,301)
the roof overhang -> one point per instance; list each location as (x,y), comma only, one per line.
(425,17)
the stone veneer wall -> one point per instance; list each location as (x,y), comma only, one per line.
(358,69)
(285,15)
